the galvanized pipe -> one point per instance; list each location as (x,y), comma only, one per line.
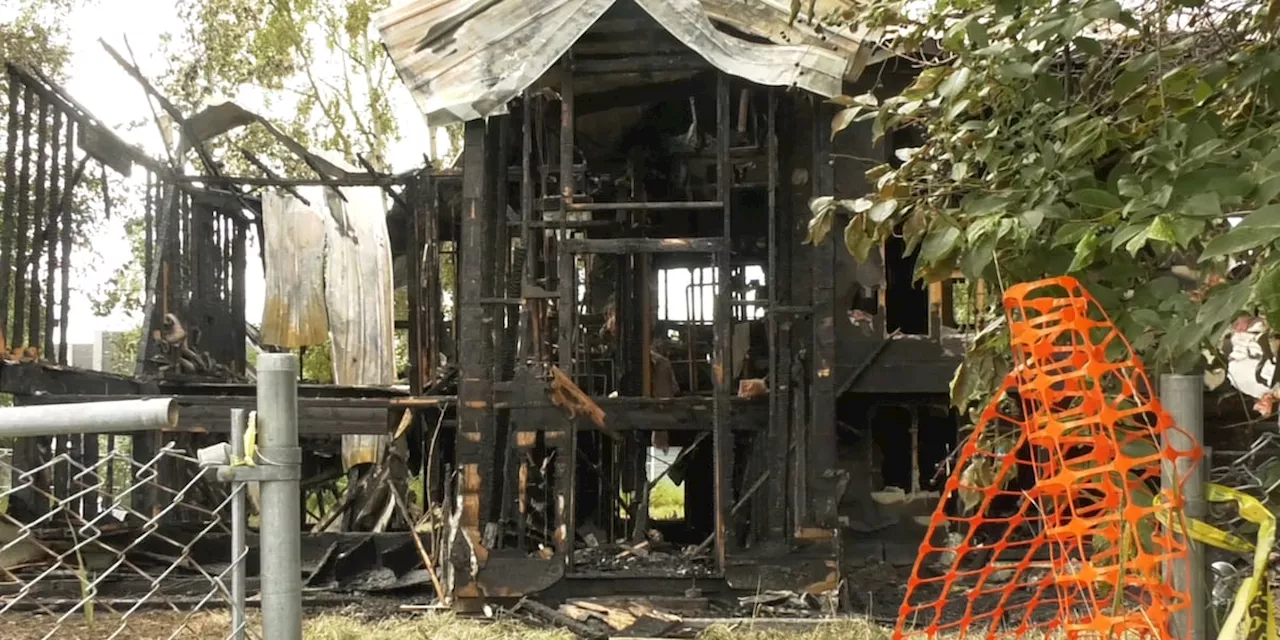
(148,414)
(239,523)
(1183,397)
(280,534)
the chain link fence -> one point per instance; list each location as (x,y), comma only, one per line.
(1255,471)
(117,545)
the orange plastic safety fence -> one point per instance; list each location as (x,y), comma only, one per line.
(1054,526)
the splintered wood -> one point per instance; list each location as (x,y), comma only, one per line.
(568,396)
(619,617)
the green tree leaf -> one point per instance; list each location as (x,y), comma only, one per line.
(1205,205)
(1267,295)
(1223,304)
(824,213)
(1096,198)
(843,119)
(938,244)
(1162,229)
(857,240)
(1086,250)
(1259,228)
(955,82)
(883,210)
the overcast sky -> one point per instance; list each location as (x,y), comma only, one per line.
(106,90)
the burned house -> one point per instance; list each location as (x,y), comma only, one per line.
(629,236)
(627,228)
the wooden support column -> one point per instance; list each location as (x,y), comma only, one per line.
(38,219)
(432,294)
(239,261)
(52,233)
(22,238)
(822,412)
(722,360)
(475,389)
(499,441)
(418,366)
(10,203)
(64,239)
(779,329)
(567,443)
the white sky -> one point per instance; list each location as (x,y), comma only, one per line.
(110,94)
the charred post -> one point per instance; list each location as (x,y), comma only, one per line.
(22,238)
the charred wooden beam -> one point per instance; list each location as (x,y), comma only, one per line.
(822,411)
(22,237)
(722,355)
(64,240)
(353,180)
(239,260)
(7,221)
(312,420)
(714,205)
(433,324)
(571,224)
(567,443)
(644,245)
(101,141)
(148,222)
(417,351)
(778,281)
(37,224)
(50,230)
(475,389)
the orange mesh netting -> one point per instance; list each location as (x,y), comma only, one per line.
(1050,504)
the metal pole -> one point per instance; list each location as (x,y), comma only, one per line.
(1183,397)
(281,521)
(150,414)
(238,526)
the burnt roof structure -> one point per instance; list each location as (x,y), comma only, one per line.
(467,59)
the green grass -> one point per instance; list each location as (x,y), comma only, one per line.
(446,626)
(439,626)
(666,501)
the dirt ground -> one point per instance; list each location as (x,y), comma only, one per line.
(353,625)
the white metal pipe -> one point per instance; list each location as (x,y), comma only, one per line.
(117,416)
(1183,397)
(239,523)
(280,533)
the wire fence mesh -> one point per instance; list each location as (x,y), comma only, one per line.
(96,546)
(1255,471)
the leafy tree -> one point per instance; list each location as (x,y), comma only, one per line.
(312,59)
(34,34)
(123,351)
(1115,143)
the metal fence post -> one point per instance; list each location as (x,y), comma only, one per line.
(281,527)
(1183,397)
(238,526)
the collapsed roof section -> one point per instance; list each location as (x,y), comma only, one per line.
(465,59)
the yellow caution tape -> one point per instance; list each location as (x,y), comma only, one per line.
(1252,614)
